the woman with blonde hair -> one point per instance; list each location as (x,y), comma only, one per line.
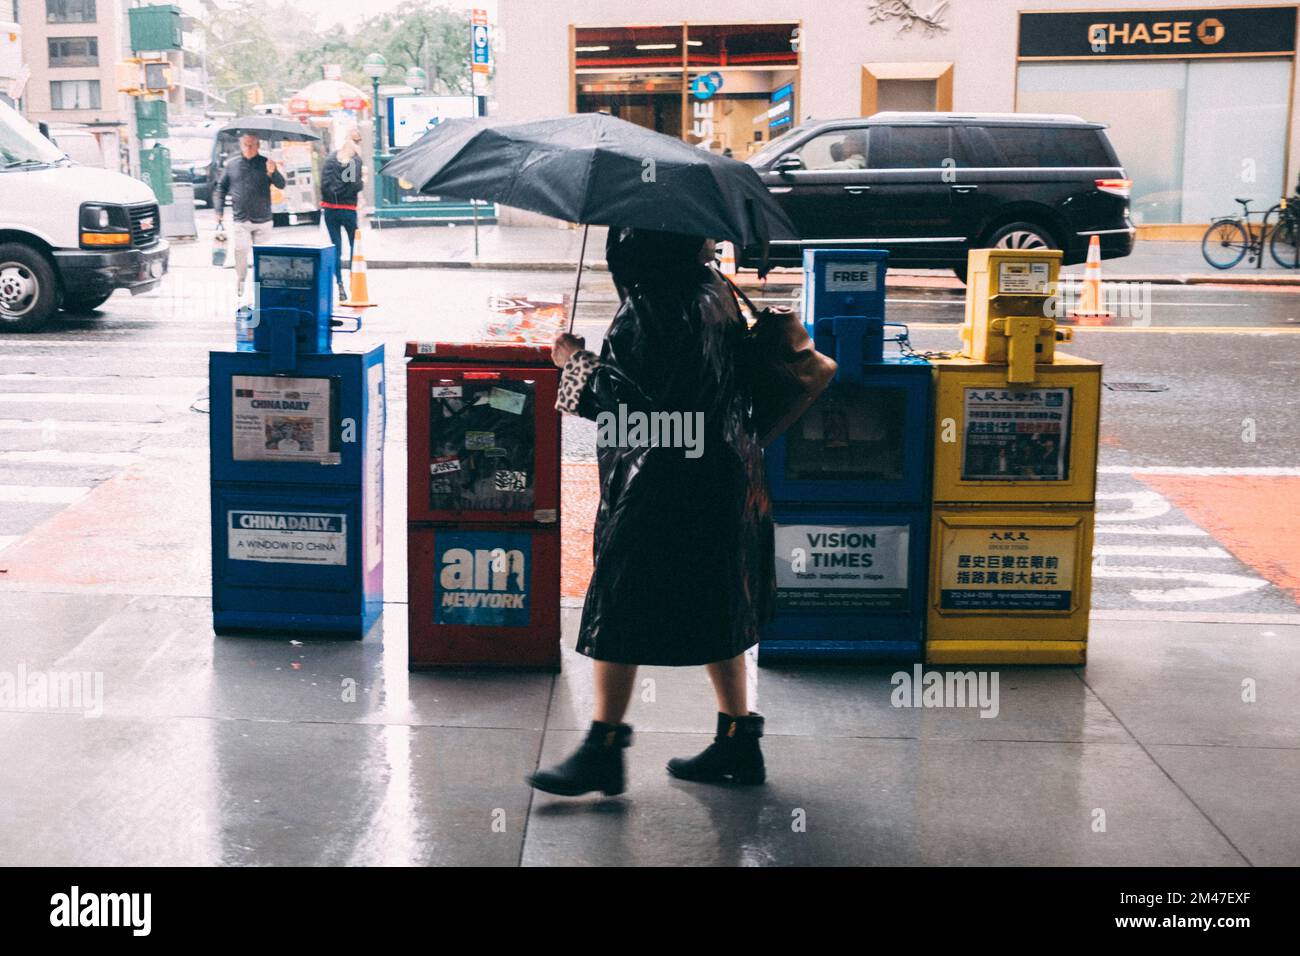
(342,179)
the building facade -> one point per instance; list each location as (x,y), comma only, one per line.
(1198,97)
(72,48)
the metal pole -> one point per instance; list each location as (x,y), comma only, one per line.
(577,279)
(374,173)
(473,111)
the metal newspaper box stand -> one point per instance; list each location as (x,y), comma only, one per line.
(1015,473)
(296,445)
(850,483)
(483,440)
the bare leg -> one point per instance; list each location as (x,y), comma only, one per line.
(729,684)
(614,684)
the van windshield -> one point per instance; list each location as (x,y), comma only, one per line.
(21,144)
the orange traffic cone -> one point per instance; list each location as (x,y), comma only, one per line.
(359,296)
(1091,308)
(727,265)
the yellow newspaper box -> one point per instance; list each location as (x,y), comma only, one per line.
(1009,585)
(1011,301)
(1015,475)
(1031,442)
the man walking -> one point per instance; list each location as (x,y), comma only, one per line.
(247,179)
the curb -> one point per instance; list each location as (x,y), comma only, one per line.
(491,265)
(898,280)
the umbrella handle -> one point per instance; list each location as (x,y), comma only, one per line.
(577,279)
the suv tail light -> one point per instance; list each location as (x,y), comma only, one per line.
(1116,187)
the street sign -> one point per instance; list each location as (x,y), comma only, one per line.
(480,43)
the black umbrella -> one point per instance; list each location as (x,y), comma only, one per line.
(591,168)
(270,127)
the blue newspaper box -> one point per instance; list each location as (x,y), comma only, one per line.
(296,447)
(843,282)
(850,488)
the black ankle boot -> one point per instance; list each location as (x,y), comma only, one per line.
(733,757)
(596,765)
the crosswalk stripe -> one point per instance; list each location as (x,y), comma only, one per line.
(1170,530)
(1198,471)
(41,494)
(55,456)
(132,380)
(112,428)
(154,343)
(97,398)
(1158,551)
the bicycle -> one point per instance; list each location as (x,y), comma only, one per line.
(1284,240)
(1230,239)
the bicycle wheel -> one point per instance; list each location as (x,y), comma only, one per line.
(1224,243)
(1284,242)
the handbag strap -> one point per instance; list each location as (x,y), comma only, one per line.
(738,292)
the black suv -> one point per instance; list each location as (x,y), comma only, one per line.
(930,186)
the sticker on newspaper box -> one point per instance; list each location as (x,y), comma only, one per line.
(841,567)
(444,466)
(287,537)
(1022,277)
(279,418)
(482,578)
(1011,568)
(503,399)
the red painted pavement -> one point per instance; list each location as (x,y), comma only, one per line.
(1253,517)
(579,495)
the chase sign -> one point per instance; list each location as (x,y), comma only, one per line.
(1126,34)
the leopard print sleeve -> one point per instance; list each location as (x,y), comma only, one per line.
(573,378)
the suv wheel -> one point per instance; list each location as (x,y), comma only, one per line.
(29,294)
(1022,235)
(1014,235)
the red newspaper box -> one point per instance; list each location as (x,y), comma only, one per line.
(483,504)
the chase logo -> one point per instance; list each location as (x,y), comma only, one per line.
(482,578)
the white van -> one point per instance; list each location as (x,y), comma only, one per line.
(69,234)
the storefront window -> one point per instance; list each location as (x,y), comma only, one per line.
(724,87)
(1191,134)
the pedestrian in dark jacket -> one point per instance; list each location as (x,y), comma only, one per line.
(247,179)
(341,183)
(684,569)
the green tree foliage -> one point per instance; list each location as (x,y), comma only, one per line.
(277,47)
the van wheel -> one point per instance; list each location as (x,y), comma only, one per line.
(84,303)
(29,295)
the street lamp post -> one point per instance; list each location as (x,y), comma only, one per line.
(375,67)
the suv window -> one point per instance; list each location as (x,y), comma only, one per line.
(911,147)
(836,149)
(1037,146)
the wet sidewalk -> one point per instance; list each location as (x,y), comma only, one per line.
(267,751)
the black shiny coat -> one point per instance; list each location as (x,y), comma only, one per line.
(684,570)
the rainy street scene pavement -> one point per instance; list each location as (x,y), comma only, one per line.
(558,434)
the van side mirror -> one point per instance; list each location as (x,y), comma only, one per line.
(788,163)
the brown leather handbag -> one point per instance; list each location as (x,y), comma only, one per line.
(785,372)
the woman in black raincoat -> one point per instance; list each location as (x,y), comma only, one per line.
(684,571)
